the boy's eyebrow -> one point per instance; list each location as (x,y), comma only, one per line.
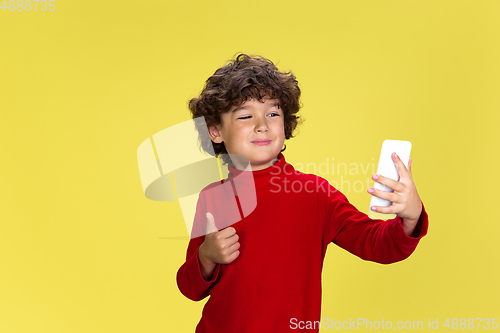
(244,107)
(241,107)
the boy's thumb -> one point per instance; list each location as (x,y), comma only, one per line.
(211,228)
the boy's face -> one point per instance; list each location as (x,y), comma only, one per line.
(255,130)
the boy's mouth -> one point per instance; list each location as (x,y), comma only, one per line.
(261,142)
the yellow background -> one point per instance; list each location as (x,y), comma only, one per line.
(83,250)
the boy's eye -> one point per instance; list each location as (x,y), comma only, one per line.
(274,114)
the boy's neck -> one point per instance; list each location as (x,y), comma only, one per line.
(241,165)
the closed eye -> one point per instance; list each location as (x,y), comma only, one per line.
(274,115)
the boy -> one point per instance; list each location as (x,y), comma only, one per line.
(263,273)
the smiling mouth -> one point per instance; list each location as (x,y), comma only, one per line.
(261,142)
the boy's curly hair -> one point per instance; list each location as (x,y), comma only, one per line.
(242,79)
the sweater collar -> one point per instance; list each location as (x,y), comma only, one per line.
(262,178)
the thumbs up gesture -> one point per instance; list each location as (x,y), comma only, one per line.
(219,247)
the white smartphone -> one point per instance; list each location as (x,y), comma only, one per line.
(387,168)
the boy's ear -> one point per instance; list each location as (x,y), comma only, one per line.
(215,134)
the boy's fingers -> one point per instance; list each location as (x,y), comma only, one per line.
(389,196)
(403,172)
(227,232)
(234,247)
(379,209)
(233,256)
(211,228)
(393,209)
(391,183)
(232,239)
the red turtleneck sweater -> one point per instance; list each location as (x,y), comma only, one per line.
(283,237)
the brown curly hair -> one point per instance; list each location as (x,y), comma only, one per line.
(246,77)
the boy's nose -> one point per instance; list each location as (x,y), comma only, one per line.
(262,127)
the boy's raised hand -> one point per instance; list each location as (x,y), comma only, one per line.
(219,247)
(405,200)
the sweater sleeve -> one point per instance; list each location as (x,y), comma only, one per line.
(189,279)
(381,241)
